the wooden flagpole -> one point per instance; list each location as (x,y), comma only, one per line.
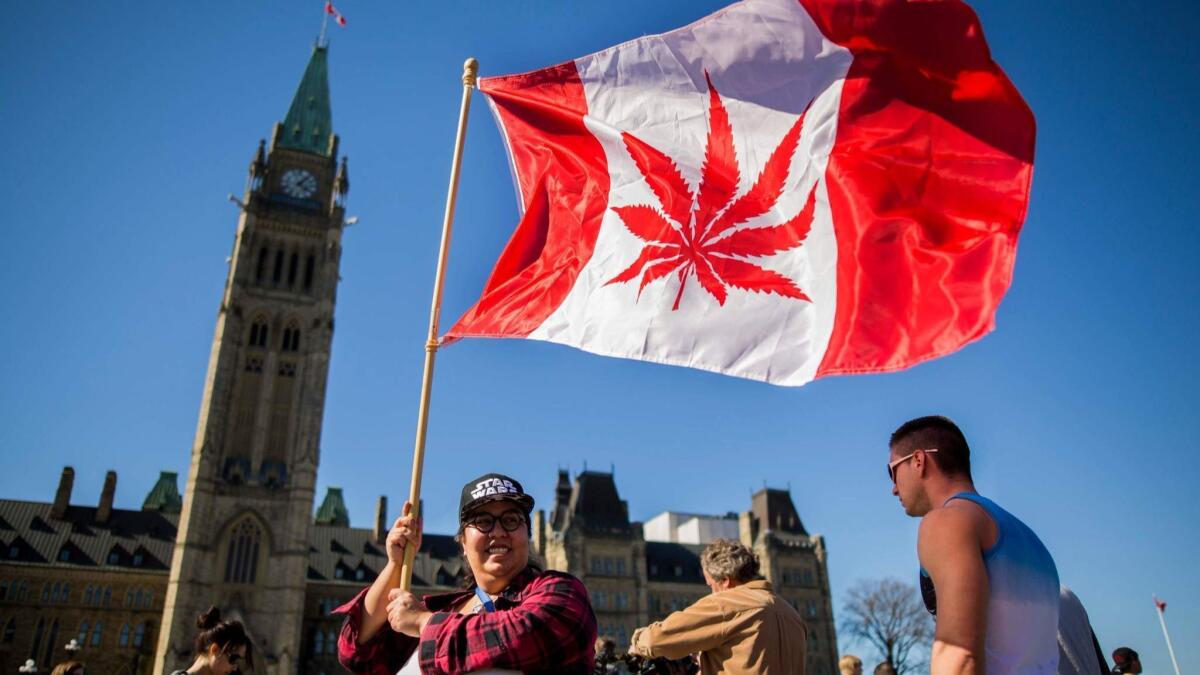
(470,72)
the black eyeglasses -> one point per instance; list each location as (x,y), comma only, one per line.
(511,521)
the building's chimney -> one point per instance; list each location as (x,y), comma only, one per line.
(747,529)
(104,511)
(539,532)
(62,498)
(381,523)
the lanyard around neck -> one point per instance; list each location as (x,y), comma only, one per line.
(485,600)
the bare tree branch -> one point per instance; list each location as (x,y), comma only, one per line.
(887,614)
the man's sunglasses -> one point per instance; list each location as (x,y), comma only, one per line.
(891,467)
(511,521)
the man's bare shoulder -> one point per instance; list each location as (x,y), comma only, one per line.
(959,522)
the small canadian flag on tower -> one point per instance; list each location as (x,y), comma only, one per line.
(337,16)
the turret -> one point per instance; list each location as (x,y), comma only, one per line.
(258,167)
(333,509)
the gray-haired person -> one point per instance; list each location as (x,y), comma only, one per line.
(742,628)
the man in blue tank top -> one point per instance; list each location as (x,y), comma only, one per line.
(985,576)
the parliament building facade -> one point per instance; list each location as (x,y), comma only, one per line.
(120,588)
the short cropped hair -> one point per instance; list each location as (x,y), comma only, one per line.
(953,455)
(727,559)
(848,663)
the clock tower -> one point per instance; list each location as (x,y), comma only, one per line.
(242,542)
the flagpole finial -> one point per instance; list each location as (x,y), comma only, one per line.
(470,72)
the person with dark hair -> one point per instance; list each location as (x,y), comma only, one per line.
(1125,660)
(884,668)
(511,615)
(221,647)
(985,576)
(742,628)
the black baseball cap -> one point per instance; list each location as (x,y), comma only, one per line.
(492,487)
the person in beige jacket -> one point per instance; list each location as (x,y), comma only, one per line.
(743,628)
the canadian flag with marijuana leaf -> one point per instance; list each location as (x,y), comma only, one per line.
(783,190)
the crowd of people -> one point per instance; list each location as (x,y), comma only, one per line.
(991,585)
(985,576)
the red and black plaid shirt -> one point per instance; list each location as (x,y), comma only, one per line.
(543,623)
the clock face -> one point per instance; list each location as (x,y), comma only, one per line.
(299,183)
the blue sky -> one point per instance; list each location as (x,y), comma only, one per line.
(126,124)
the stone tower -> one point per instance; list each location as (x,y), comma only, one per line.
(242,542)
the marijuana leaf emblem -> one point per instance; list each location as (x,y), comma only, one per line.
(697,235)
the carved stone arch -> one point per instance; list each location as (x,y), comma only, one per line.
(246,543)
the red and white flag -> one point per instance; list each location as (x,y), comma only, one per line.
(783,190)
(331,10)
(1160,604)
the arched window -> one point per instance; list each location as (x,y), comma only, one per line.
(87,596)
(128,597)
(66,593)
(107,596)
(293,267)
(241,562)
(10,631)
(48,655)
(123,640)
(83,633)
(56,593)
(261,266)
(278,272)
(149,597)
(258,334)
(37,638)
(46,592)
(309,264)
(291,338)
(319,642)
(139,635)
(4,589)
(97,633)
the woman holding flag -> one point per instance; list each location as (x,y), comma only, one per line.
(511,615)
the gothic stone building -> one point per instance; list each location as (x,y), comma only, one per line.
(99,574)
(126,585)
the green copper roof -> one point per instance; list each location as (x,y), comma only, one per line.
(164,496)
(333,510)
(309,122)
